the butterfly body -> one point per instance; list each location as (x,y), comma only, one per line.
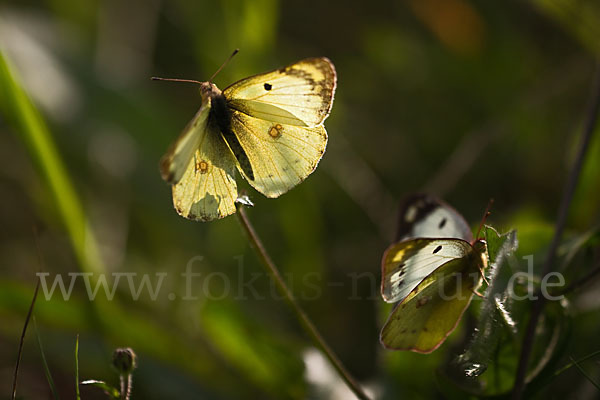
(269,127)
(221,114)
(432,272)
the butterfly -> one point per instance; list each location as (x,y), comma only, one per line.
(432,272)
(268,126)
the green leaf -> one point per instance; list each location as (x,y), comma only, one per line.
(495,319)
(487,366)
(108,389)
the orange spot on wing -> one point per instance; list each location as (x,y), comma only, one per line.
(275,131)
(202,166)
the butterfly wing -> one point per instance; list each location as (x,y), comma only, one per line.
(281,155)
(300,94)
(425,216)
(405,264)
(277,118)
(423,320)
(177,159)
(201,168)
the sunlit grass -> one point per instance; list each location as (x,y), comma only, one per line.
(18,108)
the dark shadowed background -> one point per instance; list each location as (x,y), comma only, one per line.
(467,99)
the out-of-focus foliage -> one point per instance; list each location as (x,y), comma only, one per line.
(468,99)
(579,17)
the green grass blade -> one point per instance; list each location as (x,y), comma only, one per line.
(18,109)
(45,363)
(77,395)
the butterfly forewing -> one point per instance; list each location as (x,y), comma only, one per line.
(300,94)
(177,159)
(425,216)
(405,264)
(281,155)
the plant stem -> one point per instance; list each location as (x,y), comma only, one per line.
(569,191)
(304,320)
(585,374)
(582,359)
(126,383)
(77,394)
(584,280)
(22,340)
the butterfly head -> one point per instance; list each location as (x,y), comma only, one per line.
(480,245)
(209,90)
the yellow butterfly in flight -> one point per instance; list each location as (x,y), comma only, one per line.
(268,126)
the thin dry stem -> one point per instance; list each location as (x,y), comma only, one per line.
(304,320)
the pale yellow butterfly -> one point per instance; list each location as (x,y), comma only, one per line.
(268,126)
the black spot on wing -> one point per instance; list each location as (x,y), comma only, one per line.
(442,223)
(268,86)
(424,205)
(401,268)
(437,249)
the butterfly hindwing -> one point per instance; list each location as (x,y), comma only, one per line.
(282,155)
(423,320)
(300,94)
(206,189)
(406,263)
(425,216)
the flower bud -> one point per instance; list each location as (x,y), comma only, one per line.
(124,360)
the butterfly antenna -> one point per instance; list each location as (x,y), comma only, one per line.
(224,64)
(156,78)
(485,215)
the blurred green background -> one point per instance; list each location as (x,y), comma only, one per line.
(468,99)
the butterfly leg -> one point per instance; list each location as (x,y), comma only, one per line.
(475,292)
(483,276)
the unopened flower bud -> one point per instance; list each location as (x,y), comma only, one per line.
(124,360)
